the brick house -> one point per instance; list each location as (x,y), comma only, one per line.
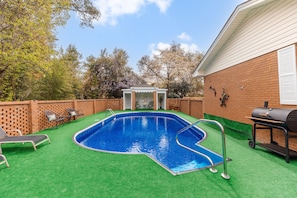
(252,60)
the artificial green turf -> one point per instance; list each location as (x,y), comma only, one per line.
(63,169)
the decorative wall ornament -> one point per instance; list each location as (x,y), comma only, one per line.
(224,98)
(214,90)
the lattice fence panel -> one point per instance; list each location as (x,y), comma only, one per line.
(14,117)
(57,107)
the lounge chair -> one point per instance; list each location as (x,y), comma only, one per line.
(35,140)
(73,113)
(54,117)
(3,160)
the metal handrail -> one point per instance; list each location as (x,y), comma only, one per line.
(110,111)
(224,174)
(203,155)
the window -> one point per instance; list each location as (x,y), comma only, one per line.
(287,75)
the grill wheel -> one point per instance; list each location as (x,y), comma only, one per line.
(252,144)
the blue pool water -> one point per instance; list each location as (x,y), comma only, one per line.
(153,134)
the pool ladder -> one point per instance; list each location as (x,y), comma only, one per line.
(110,111)
(212,169)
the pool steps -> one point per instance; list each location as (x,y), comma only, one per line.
(212,169)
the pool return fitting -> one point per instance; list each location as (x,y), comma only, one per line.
(212,169)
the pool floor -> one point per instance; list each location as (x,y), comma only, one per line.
(153,135)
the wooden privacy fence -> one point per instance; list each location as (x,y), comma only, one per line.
(29,116)
(192,107)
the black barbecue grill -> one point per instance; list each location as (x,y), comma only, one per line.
(275,118)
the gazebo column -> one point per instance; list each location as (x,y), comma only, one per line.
(155,96)
(133,100)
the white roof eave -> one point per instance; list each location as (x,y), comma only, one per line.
(144,90)
(238,15)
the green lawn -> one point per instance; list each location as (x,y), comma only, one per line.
(63,169)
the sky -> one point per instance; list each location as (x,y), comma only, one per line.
(142,27)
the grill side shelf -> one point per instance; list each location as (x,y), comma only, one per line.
(265,120)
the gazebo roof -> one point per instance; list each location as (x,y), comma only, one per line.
(144,89)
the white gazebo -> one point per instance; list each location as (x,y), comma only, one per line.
(144,97)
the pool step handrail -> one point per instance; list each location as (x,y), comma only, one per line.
(212,169)
(224,174)
(110,111)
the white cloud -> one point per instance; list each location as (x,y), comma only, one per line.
(162,4)
(111,10)
(184,36)
(155,48)
(193,48)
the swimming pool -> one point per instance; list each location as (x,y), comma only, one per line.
(153,134)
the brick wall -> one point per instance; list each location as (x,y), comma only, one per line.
(248,85)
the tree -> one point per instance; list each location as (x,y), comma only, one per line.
(27,36)
(25,44)
(108,75)
(72,58)
(63,79)
(91,79)
(179,89)
(196,88)
(56,83)
(87,12)
(171,69)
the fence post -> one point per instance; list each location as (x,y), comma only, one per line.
(94,106)
(121,104)
(75,104)
(34,116)
(189,106)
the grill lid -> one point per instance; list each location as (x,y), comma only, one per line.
(287,117)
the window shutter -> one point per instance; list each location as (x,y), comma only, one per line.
(287,75)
